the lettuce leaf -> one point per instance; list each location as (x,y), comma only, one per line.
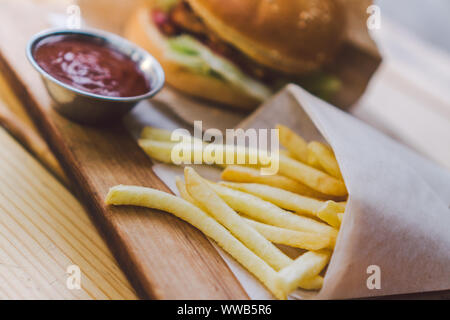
(321,84)
(192,54)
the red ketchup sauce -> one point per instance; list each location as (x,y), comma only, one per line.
(90,66)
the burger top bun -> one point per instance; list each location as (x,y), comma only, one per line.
(293,36)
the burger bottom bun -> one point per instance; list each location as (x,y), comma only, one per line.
(144,33)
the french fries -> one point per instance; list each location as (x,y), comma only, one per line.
(252,210)
(156,134)
(329,212)
(296,239)
(269,213)
(313,161)
(314,153)
(325,210)
(282,198)
(181,186)
(151,198)
(314,283)
(222,154)
(199,190)
(342,204)
(236,173)
(188,153)
(296,145)
(303,274)
(281,236)
(304,267)
(311,177)
(325,158)
(286,153)
(160,150)
(292,238)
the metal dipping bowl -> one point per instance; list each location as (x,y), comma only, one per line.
(89,108)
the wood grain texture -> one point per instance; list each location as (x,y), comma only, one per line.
(163,257)
(32,141)
(43,230)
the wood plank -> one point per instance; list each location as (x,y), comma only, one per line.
(163,257)
(43,230)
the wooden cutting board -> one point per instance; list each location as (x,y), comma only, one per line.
(164,257)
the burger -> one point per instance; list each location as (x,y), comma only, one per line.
(239,52)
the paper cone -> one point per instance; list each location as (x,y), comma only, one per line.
(397,217)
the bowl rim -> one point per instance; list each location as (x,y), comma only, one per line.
(110,38)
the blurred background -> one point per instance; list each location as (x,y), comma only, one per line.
(429,20)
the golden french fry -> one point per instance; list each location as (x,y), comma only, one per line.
(306,266)
(311,177)
(270,233)
(326,158)
(151,198)
(342,204)
(251,175)
(198,153)
(328,212)
(157,134)
(159,150)
(163,135)
(200,191)
(313,161)
(292,238)
(282,198)
(181,186)
(314,283)
(340,216)
(286,153)
(269,213)
(296,145)
(173,152)
(325,210)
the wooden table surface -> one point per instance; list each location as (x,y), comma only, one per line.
(44,229)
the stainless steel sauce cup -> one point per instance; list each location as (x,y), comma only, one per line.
(89,108)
